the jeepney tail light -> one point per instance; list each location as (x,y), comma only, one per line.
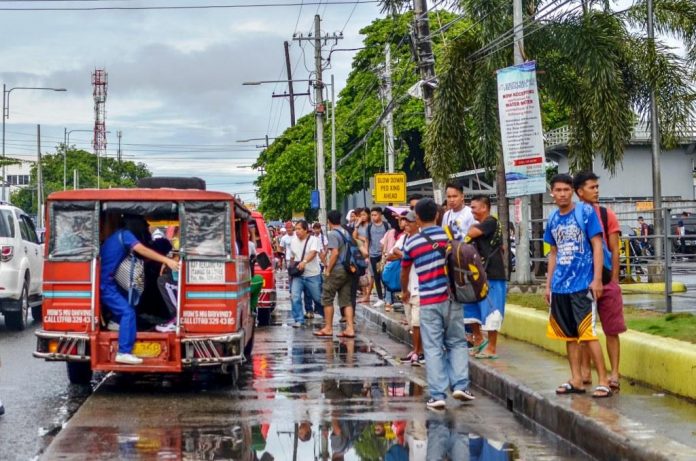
(53,346)
(6,253)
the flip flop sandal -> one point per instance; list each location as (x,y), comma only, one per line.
(567,388)
(480,347)
(343,335)
(606,392)
(486,355)
(615,385)
(322,334)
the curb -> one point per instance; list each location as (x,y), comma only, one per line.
(663,363)
(650,288)
(580,430)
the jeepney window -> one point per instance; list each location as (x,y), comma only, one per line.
(206,229)
(73,230)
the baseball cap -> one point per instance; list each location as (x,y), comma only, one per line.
(411,216)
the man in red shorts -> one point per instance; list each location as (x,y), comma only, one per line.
(610,304)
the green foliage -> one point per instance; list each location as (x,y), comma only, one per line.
(113,174)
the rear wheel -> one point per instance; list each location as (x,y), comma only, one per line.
(263,316)
(79,372)
(17,320)
(249,346)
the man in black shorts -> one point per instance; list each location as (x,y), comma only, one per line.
(574,282)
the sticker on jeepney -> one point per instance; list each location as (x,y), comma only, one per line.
(204,272)
(201,317)
(67,316)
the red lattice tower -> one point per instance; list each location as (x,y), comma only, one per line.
(99,83)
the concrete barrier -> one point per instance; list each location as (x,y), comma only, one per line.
(659,362)
(652,288)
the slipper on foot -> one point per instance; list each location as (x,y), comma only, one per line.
(604,392)
(567,388)
(344,335)
(615,385)
(485,355)
(323,334)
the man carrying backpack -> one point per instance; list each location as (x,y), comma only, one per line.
(441,322)
(338,281)
(574,282)
(487,237)
(610,304)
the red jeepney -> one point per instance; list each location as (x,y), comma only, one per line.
(264,244)
(214,320)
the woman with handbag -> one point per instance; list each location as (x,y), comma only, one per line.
(120,247)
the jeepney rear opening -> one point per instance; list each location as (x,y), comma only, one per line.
(213,320)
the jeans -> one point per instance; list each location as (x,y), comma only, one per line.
(444,345)
(310,303)
(377,275)
(445,442)
(300,285)
(114,300)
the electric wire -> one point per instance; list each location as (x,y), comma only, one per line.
(180,7)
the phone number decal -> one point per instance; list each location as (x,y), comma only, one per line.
(208,318)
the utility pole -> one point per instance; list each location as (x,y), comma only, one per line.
(425,58)
(319,110)
(522,269)
(655,135)
(39,180)
(389,120)
(319,114)
(119,133)
(333,143)
(291,94)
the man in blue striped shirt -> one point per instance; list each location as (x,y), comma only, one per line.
(441,322)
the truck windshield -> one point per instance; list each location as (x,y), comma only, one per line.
(7,228)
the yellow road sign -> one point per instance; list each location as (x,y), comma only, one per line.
(390,188)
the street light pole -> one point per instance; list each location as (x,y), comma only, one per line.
(6,115)
(333,144)
(65,157)
(655,141)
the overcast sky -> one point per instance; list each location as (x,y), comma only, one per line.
(175,78)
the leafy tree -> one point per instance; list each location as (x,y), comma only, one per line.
(113,174)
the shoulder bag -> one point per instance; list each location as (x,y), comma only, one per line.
(293,267)
(130,274)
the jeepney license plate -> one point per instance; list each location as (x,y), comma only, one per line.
(147,349)
(206,271)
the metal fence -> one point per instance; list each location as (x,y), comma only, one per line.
(653,257)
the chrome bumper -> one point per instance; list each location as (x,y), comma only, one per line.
(201,351)
(67,341)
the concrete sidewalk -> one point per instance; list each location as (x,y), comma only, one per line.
(638,423)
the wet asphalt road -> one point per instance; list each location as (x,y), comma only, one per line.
(37,396)
(300,398)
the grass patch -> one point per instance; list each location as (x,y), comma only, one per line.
(677,326)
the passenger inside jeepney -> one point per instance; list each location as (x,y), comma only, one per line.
(132,235)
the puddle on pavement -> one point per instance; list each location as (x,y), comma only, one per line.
(303,440)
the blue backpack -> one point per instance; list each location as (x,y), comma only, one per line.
(577,213)
(353,261)
(391,275)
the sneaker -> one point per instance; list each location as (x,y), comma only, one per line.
(128,359)
(308,315)
(166,327)
(407,358)
(463,396)
(378,304)
(112,326)
(436,404)
(297,325)
(421,359)
(414,361)
(311,315)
